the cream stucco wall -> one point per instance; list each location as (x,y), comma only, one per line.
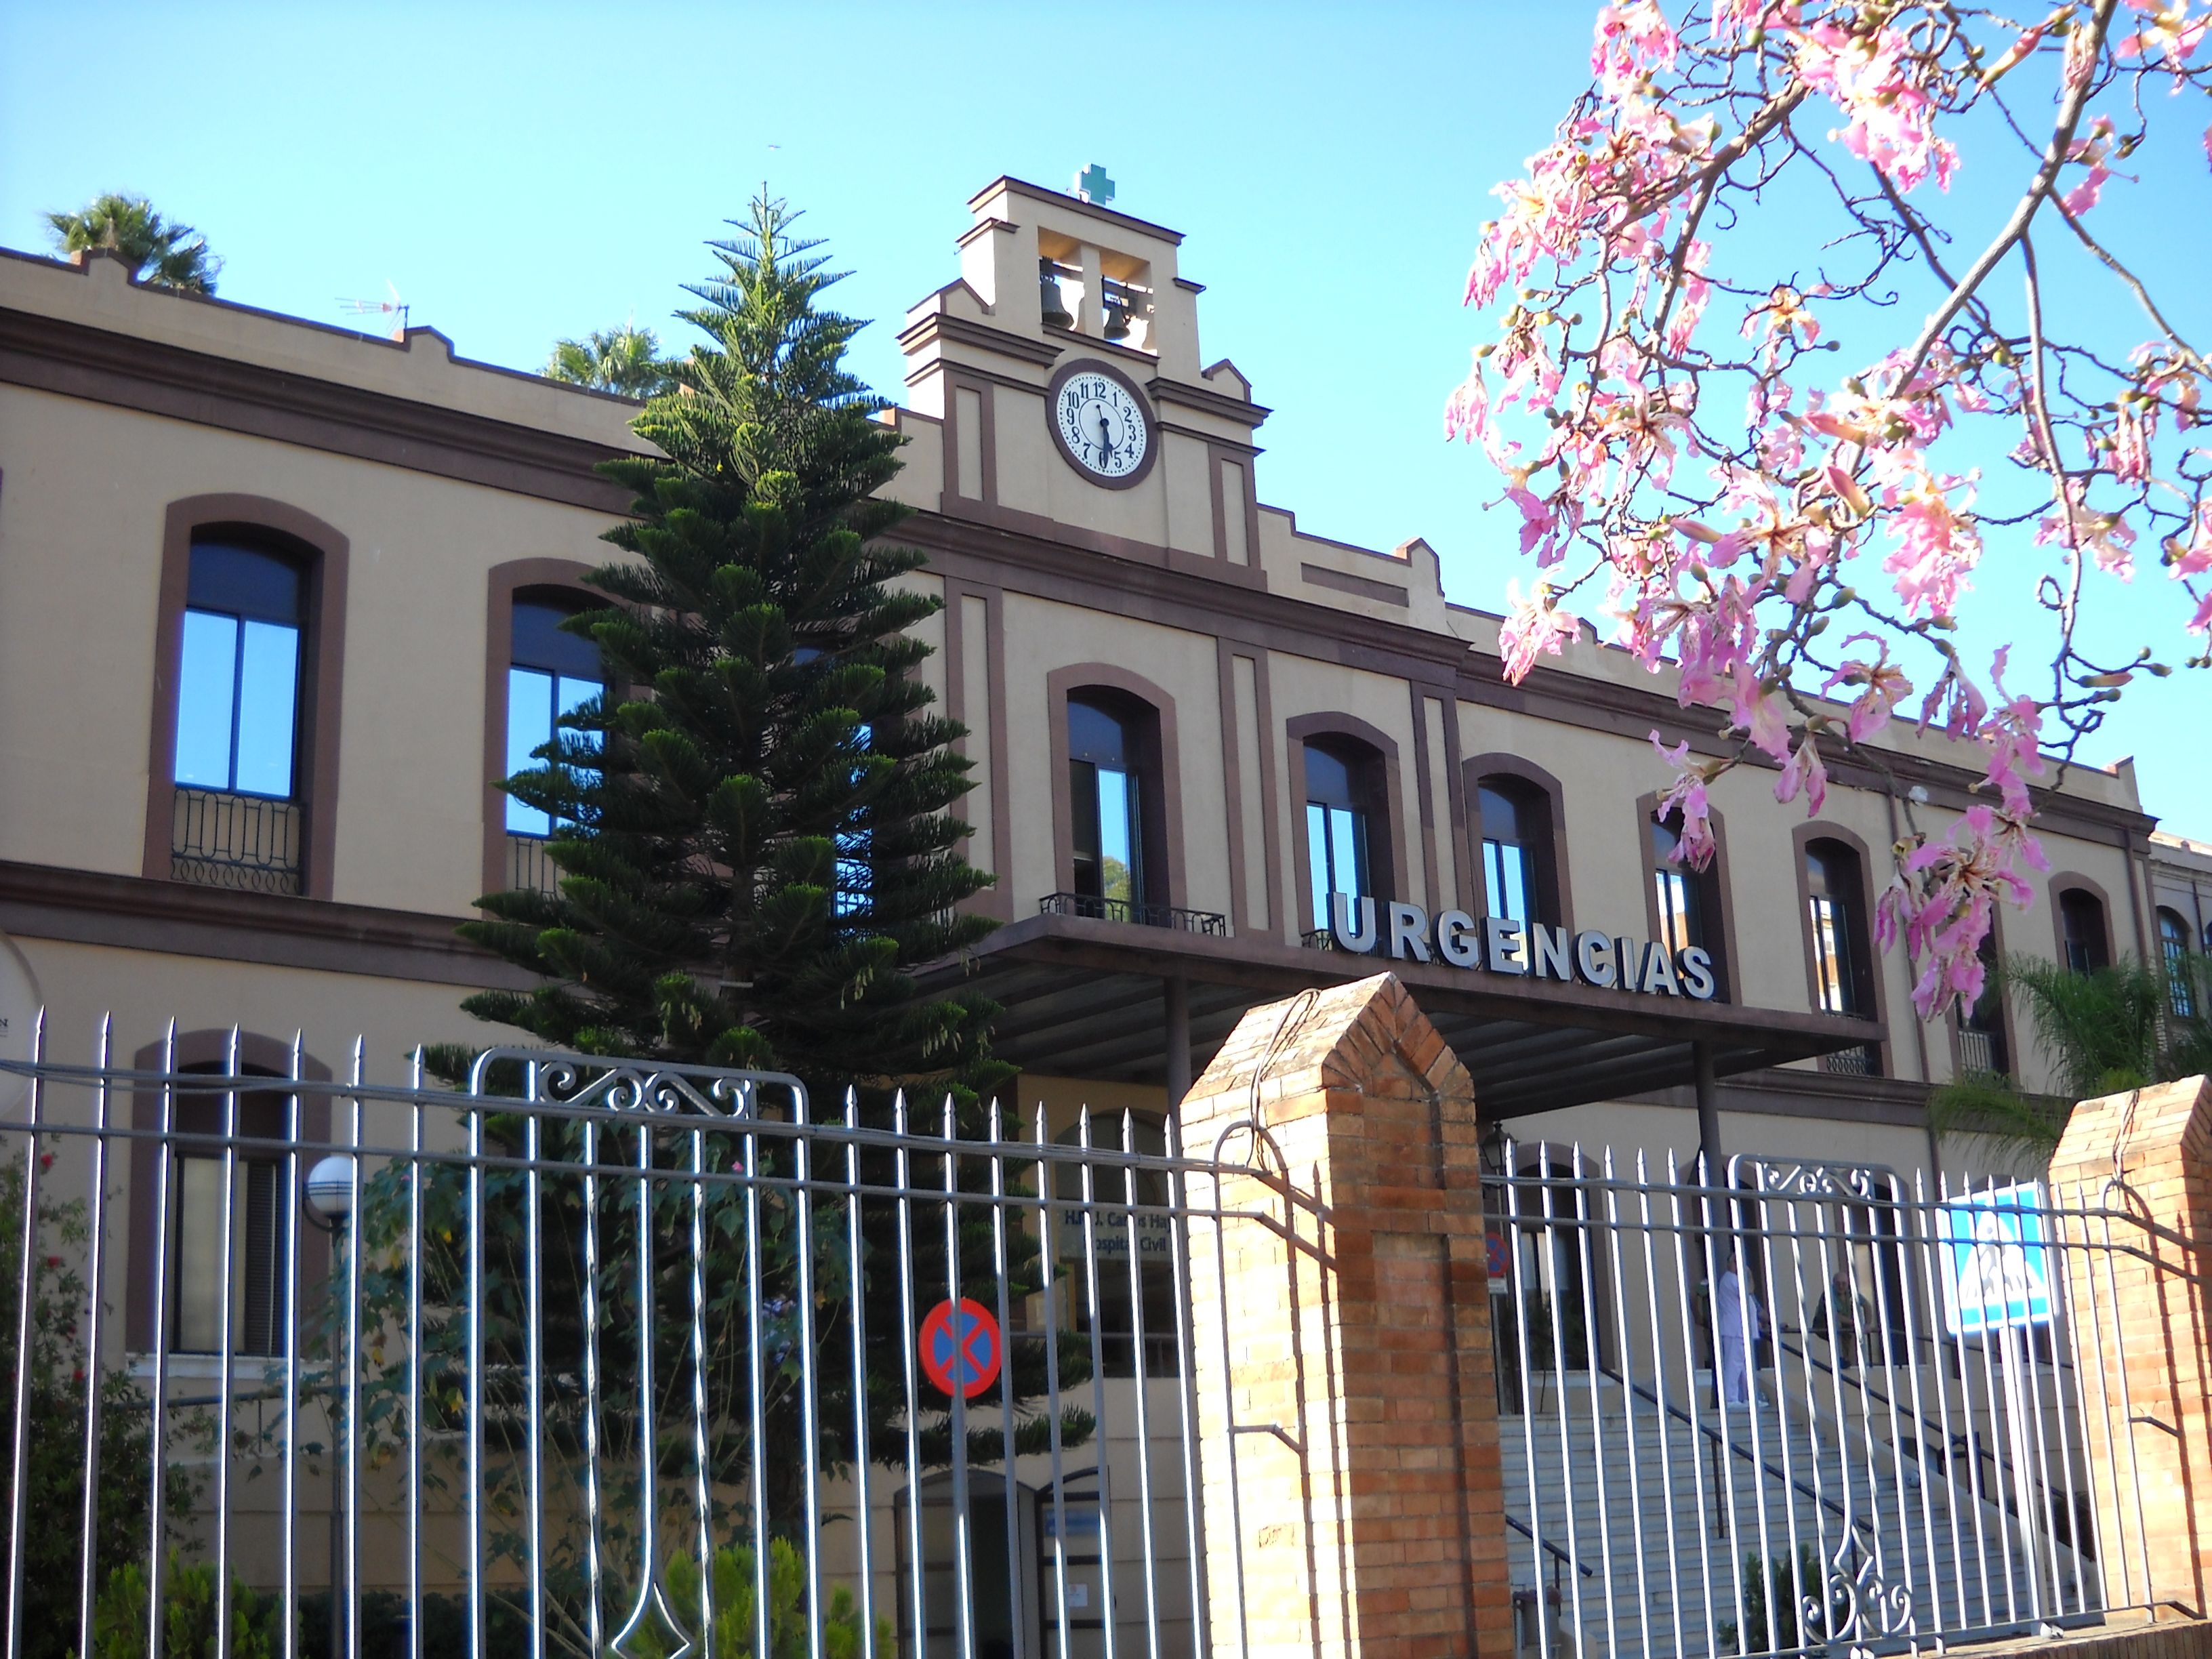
(80,572)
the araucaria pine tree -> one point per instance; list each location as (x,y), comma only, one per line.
(756,823)
(754,828)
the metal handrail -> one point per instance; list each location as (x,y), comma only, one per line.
(1758,1461)
(1548,1546)
(1967,1441)
(1211,923)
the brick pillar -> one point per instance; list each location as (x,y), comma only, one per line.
(2146,1154)
(1347,1420)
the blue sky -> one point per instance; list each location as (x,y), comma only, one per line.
(520,173)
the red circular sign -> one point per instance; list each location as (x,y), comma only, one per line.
(960,1348)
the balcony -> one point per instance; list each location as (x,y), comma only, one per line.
(1978,1052)
(1851,1062)
(1210,923)
(529,870)
(248,843)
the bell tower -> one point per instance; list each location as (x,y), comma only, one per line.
(1063,367)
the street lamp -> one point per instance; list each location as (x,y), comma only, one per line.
(327,1202)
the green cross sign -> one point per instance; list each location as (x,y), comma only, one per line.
(1093,185)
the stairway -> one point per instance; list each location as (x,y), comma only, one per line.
(1638,1512)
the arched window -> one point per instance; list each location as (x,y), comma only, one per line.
(240,668)
(2173,948)
(1687,902)
(1520,876)
(2081,931)
(1346,851)
(1113,782)
(1842,947)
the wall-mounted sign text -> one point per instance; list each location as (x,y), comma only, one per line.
(1499,944)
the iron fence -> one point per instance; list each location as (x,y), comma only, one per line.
(589,1356)
(1808,1407)
(592,1356)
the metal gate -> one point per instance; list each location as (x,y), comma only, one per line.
(1806,1405)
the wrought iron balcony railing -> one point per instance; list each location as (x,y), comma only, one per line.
(1977,1052)
(528,868)
(248,842)
(1209,922)
(1850,1062)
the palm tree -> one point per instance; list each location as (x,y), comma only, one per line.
(2102,1032)
(625,360)
(164,254)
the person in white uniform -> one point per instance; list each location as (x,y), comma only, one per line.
(1736,1318)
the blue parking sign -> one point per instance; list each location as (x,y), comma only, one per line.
(1996,1261)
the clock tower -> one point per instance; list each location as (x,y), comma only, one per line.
(1059,381)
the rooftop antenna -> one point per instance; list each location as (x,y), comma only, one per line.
(374,307)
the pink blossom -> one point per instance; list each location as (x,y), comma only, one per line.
(1803,771)
(1633,37)
(1886,686)
(1872,79)
(2105,537)
(1684,805)
(1936,543)
(1532,625)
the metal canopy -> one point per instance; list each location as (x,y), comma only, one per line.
(1087,999)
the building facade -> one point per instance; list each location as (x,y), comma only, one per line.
(275,609)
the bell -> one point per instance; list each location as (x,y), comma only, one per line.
(1056,314)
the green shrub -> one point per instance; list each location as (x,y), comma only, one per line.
(736,1609)
(1769,1585)
(188,1621)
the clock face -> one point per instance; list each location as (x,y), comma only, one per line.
(1102,425)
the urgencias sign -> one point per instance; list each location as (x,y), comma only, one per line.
(1499,944)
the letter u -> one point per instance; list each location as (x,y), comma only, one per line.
(1360,941)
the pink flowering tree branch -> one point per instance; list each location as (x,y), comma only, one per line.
(1746,187)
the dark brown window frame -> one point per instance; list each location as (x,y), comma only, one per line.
(1389,874)
(1554,877)
(1713,878)
(1163,814)
(1802,838)
(270,1057)
(325,550)
(504,584)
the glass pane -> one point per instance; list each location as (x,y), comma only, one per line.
(540,641)
(529,726)
(196,1261)
(207,678)
(1675,929)
(267,707)
(1117,836)
(1347,851)
(1829,961)
(1505,878)
(1329,780)
(1097,736)
(243,581)
(570,694)
(1317,860)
